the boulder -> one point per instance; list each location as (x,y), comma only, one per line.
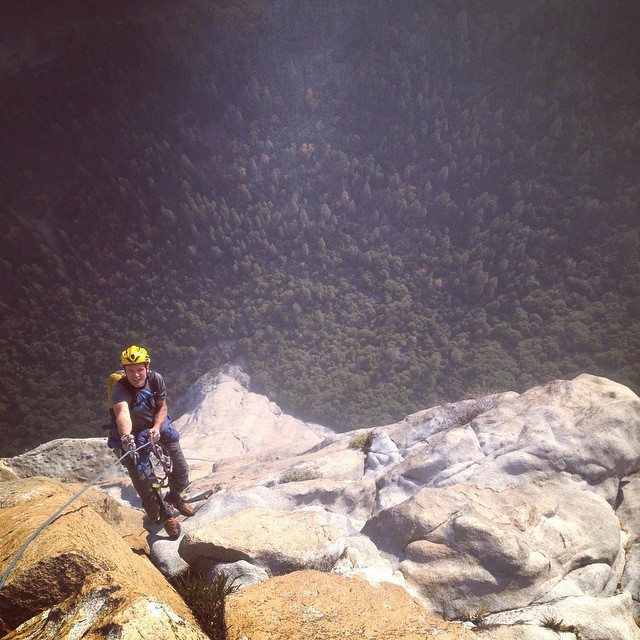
(312,604)
(348,503)
(67,460)
(239,574)
(108,606)
(277,541)
(468,547)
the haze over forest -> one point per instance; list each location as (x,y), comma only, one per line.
(373,207)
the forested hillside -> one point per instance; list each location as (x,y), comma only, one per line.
(372,206)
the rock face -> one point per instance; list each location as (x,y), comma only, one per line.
(77,460)
(77,575)
(226,420)
(518,514)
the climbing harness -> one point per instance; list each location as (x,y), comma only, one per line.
(58,512)
(157,459)
(164,459)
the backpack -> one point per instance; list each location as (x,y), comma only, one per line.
(114,378)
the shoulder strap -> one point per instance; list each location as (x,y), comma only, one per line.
(129,387)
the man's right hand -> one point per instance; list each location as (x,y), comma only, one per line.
(129,445)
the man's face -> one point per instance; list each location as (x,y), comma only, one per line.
(136,374)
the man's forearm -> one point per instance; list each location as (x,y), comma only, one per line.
(124,426)
(160,417)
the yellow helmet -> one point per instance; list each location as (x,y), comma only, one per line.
(135,355)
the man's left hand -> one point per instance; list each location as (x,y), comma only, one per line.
(154,434)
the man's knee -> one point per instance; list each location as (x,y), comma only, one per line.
(169,435)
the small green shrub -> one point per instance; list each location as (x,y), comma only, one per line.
(362,442)
(299,475)
(552,623)
(206,600)
(477,616)
(557,625)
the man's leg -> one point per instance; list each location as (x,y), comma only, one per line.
(178,480)
(179,476)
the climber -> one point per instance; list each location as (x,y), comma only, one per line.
(140,411)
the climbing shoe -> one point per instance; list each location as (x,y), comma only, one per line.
(172,527)
(177,501)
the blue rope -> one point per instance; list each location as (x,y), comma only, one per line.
(57,513)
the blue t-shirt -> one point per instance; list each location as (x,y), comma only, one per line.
(142,401)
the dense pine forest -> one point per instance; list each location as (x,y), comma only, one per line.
(372,206)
